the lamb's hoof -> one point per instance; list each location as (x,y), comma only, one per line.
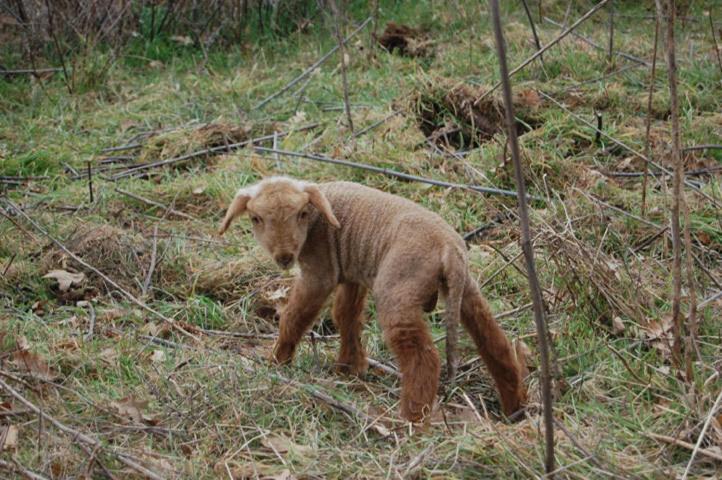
(353,368)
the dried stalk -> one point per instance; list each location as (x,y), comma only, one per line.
(677,193)
(647,142)
(342,50)
(542,334)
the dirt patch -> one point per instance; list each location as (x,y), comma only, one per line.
(405,40)
(461,117)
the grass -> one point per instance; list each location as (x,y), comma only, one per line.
(216,407)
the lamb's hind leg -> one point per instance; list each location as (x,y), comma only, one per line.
(348,316)
(494,348)
(408,336)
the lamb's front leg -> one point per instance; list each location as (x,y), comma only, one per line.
(307,297)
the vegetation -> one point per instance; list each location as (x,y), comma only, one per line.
(197,398)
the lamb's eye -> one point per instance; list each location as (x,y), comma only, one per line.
(256,220)
(303,215)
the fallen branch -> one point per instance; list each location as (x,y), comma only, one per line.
(313,67)
(153,203)
(109,280)
(219,149)
(124,458)
(683,444)
(394,173)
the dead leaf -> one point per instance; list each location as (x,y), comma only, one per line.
(131,409)
(198,191)
(155,330)
(617,325)
(109,356)
(8,437)
(33,364)
(65,279)
(182,39)
(282,445)
(157,356)
(278,294)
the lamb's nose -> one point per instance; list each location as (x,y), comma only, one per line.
(284,259)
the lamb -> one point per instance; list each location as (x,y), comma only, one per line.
(350,239)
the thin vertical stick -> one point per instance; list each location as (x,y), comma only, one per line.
(533,30)
(526,243)
(342,50)
(90,182)
(650,97)
(610,54)
(714,39)
(677,326)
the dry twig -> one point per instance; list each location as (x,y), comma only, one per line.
(542,334)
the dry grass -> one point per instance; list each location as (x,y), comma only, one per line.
(214,407)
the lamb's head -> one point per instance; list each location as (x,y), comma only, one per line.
(279,209)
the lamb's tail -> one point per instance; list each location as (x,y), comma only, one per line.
(455,275)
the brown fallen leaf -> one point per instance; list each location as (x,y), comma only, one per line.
(32,362)
(282,445)
(65,279)
(8,437)
(131,410)
(617,325)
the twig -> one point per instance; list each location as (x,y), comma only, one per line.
(714,39)
(709,300)
(546,47)
(697,445)
(393,173)
(375,124)
(124,458)
(310,69)
(542,334)
(151,266)
(600,119)
(627,147)
(533,30)
(91,326)
(198,153)
(31,71)
(648,128)
(109,280)
(153,203)
(593,44)
(383,367)
(683,444)
(19,468)
(677,193)
(10,263)
(342,49)
(702,147)
(90,182)
(610,52)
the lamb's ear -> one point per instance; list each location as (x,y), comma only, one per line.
(236,208)
(319,200)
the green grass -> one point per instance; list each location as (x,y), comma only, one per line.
(216,404)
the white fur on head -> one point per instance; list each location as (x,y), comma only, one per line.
(246,194)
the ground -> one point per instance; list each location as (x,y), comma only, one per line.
(199,399)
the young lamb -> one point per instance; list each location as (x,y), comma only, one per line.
(350,238)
